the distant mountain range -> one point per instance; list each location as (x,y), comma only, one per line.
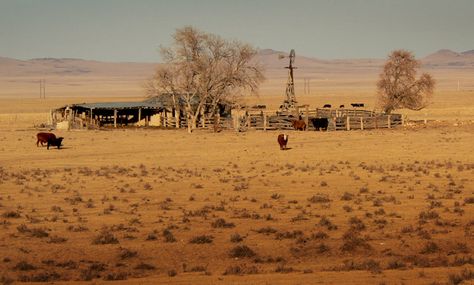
(272,60)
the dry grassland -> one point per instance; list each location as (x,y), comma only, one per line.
(148,206)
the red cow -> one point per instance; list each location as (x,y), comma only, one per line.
(282,141)
(48,138)
(299,125)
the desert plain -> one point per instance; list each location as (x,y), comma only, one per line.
(158,206)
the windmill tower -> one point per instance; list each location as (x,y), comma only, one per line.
(290,102)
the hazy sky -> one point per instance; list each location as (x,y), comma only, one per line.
(132,30)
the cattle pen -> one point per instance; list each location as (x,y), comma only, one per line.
(155,114)
(338,119)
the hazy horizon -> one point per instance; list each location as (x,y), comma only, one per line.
(128,31)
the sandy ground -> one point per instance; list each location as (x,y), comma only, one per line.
(149,206)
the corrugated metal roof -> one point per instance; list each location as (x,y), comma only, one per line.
(121,105)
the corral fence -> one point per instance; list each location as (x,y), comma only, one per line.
(338,119)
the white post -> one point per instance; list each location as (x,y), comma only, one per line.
(348,123)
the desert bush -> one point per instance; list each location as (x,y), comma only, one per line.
(105,237)
(236,238)
(40,277)
(429,247)
(241,251)
(221,223)
(319,198)
(240,270)
(57,239)
(33,232)
(24,266)
(356,224)
(396,264)
(289,235)
(322,248)
(466,274)
(172,273)
(347,196)
(145,266)
(168,235)
(126,253)
(11,214)
(319,235)
(282,268)
(266,230)
(353,241)
(325,222)
(202,239)
(115,276)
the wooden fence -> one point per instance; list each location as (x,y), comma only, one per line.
(338,119)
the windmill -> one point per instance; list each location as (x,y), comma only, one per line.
(290,103)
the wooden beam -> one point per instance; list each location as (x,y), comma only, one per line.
(115,118)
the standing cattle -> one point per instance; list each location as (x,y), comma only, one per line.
(299,125)
(320,124)
(327,106)
(282,141)
(358,105)
(48,138)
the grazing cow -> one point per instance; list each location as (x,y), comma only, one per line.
(299,125)
(48,138)
(357,105)
(282,141)
(327,106)
(341,106)
(320,124)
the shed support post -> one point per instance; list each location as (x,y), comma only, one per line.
(115,118)
(91,117)
(306,117)
(139,115)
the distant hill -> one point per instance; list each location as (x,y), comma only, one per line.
(273,61)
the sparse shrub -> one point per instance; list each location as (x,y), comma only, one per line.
(281,268)
(221,223)
(325,222)
(356,224)
(319,235)
(242,251)
(266,230)
(168,235)
(202,239)
(322,248)
(466,274)
(236,238)
(396,264)
(126,253)
(347,196)
(319,198)
(24,266)
(145,266)
(115,276)
(353,241)
(430,247)
(240,270)
(11,214)
(105,237)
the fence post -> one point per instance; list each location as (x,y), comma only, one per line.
(403,120)
(115,118)
(247,122)
(388,121)
(264,121)
(362,123)
(376,122)
(335,124)
(348,123)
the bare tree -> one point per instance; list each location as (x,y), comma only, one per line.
(398,86)
(202,70)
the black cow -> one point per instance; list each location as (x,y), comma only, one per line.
(50,139)
(320,124)
(341,106)
(357,105)
(327,106)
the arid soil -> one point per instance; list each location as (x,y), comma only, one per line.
(150,206)
(154,206)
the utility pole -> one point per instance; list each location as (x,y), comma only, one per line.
(42,89)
